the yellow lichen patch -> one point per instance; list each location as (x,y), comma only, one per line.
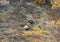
(58,22)
(52,23)
(26,33)
(55,4)
(40,32)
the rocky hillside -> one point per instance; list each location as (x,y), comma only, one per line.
(15,16)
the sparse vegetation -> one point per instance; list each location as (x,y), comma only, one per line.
(15,15)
